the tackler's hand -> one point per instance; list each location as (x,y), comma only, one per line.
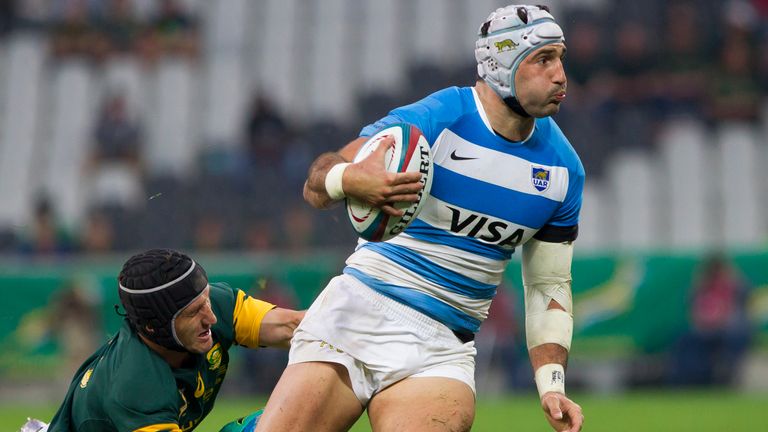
(369,181)
(563,414)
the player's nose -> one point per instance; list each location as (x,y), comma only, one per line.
(558,76)
(209,318)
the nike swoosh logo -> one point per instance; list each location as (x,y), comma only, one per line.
(458,158)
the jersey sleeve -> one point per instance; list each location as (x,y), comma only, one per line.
(431,114)
(239,315)
(564,224)
(247,318)
(568,213)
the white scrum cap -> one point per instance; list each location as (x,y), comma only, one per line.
(506,37)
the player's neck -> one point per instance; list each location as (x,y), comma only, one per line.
(176,359)
(504,121)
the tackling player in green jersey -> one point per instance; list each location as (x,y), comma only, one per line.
(162,371)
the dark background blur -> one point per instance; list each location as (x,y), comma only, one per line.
(130,124)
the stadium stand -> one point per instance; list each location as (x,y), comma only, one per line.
(685,169)
(739,154)
(634,185)
(22,88)
(672,157)
(68,144)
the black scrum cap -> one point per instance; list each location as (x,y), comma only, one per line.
(154,287)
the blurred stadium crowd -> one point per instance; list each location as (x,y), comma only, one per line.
(171,123)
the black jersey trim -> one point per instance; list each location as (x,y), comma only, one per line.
(557,234)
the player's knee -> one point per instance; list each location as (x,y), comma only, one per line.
(456,417)
(444,418)
(457,421)
(464,421)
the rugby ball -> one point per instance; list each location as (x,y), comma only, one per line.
(410,153)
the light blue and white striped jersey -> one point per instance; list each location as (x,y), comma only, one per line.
(489,195)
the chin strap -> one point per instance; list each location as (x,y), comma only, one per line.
(514,104)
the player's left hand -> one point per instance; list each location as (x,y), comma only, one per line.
(369,182)
(563,414)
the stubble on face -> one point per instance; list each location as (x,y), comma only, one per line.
(193,325)
(540,82)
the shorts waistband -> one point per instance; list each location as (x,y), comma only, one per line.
(406,312)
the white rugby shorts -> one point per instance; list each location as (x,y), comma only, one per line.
(378,340)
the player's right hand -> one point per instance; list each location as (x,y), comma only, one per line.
(368,181)
(563,414)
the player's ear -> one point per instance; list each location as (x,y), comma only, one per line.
(148,328)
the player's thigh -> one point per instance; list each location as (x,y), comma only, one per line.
(311,396)
(423,404)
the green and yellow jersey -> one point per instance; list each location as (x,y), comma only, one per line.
(126,386)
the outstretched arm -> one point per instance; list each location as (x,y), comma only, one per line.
(549,327)
(331,178)
(277,327)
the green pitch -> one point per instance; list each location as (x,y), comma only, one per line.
(714,411)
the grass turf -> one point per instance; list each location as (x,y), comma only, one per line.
(714,411)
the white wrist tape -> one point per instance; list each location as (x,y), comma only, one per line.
(547,277)
(333,181)
(550,378)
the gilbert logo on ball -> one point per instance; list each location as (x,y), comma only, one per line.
(410,153)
